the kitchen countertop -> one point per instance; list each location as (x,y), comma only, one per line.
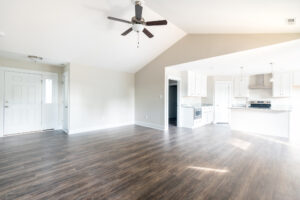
(196,105)
(279,109)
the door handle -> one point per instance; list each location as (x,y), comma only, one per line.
(5,106)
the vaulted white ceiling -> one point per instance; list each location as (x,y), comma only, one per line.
(78,31)
(230,16)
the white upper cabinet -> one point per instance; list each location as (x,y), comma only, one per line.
(282,84)
(194,84)
(296,79)
(191,85)
(241,86)
(204,86)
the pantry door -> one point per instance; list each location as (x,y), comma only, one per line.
(222,101)
(23,103)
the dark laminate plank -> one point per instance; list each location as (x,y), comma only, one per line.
(139,163)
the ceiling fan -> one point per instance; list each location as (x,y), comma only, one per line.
(137,22)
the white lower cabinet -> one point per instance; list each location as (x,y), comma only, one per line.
(207,115)
(188,121)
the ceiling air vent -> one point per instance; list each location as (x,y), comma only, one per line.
(291,21)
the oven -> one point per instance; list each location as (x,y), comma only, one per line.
(197,113)
(260,104)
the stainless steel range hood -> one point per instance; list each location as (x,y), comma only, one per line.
(260,81)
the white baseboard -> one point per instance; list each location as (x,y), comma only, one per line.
(84,130)
(150,125)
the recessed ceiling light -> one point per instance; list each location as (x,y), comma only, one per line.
(291,21)
(2,34)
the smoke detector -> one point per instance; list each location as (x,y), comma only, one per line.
(291,21)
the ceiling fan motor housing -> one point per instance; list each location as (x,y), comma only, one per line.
(140,2)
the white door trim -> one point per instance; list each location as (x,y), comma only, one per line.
(11,69)
(66,74)
(4,69)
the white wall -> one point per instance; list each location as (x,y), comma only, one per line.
(1,102)
(100,98)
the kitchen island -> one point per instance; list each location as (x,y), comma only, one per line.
(265,121)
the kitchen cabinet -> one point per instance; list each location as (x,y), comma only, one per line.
(241,86)
(207,115)
(188,120)
(203,86)
(296,78)
(194,84)
(282,84)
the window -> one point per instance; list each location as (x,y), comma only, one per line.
(49,91)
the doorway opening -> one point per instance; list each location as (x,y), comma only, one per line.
(173,102)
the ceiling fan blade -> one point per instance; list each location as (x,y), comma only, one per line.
(157,23)
(126,32)
(119,20)
(150,35)
(138,11)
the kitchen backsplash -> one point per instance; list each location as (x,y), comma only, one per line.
(257,94)
(191,100)
(262,94)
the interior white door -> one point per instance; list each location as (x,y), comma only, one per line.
(50,101)
(222,102)
(23,103)
(66,102)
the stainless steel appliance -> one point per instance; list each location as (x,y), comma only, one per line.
(197,113)
(260,104)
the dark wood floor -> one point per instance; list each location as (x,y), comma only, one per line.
(139,163)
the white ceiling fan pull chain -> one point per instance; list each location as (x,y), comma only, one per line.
(138,40)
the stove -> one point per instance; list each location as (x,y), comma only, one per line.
(260,104)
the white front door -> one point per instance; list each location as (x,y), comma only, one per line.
(222,102)
(23,103)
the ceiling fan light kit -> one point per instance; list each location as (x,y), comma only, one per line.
(138,27)
(137,22)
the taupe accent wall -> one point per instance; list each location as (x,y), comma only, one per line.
(149,81)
